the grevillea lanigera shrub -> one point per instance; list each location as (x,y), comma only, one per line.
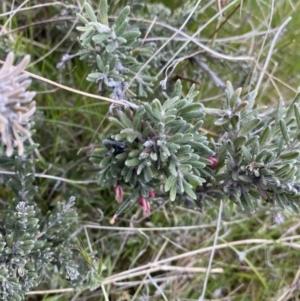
(164,142)
(158,147)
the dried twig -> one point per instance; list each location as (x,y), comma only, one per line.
(214,77)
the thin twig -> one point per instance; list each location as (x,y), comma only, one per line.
(212,254)
(218,54)
(276,37)
(12,15)
(164,44)
(54,291)
(104,293)
(145,277)
(35,7)
(157,268)
(226,20)
(214,77)
(161,263)
(158,288)
(38,175)
(56,19)
(200,29)
(149,229)
(48,81)
(268,32)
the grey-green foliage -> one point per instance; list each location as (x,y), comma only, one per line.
(32,244)
(260,151)
(114,51)
(164,151)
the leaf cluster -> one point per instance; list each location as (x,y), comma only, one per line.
(162,151)
(114,52)
(259,150)
(32,244)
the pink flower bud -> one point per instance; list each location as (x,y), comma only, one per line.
(145,204)
(213,160)
(119,193)
(151,194)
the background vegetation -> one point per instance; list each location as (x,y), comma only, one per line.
(167,255)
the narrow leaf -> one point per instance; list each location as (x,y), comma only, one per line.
(121,29)
(172,168)
(143,155)
(116,122)
(229,90)
(185,167)
(188,190)
(261,155)
(124,119)
(292,155)
(279,111)
(175,137)
(105,161)
(218,113)
(111,47)
(180,183)
(157,109)
(169,183)
(103,12)
(246,201)
(293,207)
(270,157)
(173,147)
(246,153)
(132,162)
(241,107)
(249,126)
(245,179)
(290,110)
(284,131)
(131,35)
(99,38)
(283,170)
(130,134)
(122,17)
(194,180)
(149,112)
(168,104)
(177,89)
(235,121)
(297,114)
(235,96)
(279,201)
(251,98)
(138,117)
(90,12)
(289,175)
(264,136)
(239,141)
(173,192)
(82,19)
(140,168)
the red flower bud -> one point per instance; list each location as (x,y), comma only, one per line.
(145,204)
(151,194)
(213,160)
(119,193)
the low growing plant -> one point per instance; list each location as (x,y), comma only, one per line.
(160,146)
(158,149)
(33,244)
